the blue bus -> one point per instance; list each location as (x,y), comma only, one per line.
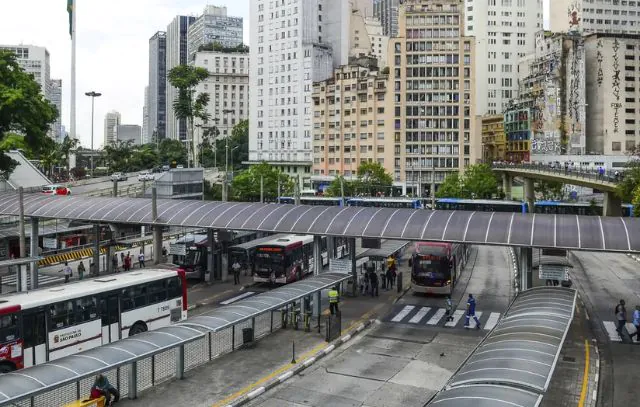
(577,208)
(409,203)
(312,200)
(480,205)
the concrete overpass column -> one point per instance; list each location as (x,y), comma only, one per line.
(331,247)
(210,276)
(34,252)
(526,265)
(96,251)
(612,205)
(354,272)
(317,255)
(529,193)
(507,181)
(224,265)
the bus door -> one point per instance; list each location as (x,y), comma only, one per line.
(453,267)
(35,337)
(110,314)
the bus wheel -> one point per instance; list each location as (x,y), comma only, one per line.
(138,328)
(6,368)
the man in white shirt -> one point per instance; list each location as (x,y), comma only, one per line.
(236,272)
(67,272)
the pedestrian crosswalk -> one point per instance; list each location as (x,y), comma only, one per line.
(431,316)
(612,331)
(43,279)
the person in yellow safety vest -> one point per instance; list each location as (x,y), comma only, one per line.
(333,301)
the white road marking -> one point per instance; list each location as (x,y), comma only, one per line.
(436,317)
(610,326)
(456,317)
(402,314)
(419,315)
(472,322)
(237,298)
(492,321)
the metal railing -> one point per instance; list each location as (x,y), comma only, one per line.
(147,372)
(586,173)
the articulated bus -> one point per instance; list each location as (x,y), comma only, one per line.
(435,267)
(47,324)
(409,203)
(288,258)
(312,200)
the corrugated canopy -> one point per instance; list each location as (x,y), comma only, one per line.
(387,248)
(524,347)
(29,382)
(486,396)
(493,228)
(224,317)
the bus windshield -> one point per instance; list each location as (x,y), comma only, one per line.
(269,261)
(430,268)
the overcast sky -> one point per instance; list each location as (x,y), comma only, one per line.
(112,48)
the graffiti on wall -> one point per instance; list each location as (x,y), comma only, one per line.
(615,82)
(576,84)
(599,58)
(546,143)
(574,16)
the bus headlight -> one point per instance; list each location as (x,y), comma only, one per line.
(448,282)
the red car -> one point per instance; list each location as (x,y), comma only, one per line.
(56,190)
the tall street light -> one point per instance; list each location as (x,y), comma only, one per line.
(93,95)
(226,112)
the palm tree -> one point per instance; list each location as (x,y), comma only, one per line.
(65,148)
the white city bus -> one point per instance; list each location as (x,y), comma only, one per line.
(47,324)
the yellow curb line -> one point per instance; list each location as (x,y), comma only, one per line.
(585,379)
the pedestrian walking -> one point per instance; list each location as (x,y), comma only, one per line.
(636,322)
(236,272)
(471,312)
(126,265)
(334,299)
(114,263)
(449,308)
(67,272)
(122,259)
(621,316)
(373,278)
(164,253)
(391,275)
(141,260)
(81,270)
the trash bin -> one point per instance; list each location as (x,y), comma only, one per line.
(247,336)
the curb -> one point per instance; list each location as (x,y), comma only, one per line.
(406,290)
(514,264)
(191,307)
(596,378)
(300,366)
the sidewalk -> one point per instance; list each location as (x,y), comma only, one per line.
(233,375)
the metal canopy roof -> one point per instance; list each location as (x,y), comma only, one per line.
(486,396)
(524,347)
(387,248)
(253,243)
(493,228)
(224,317)
(38,379)
(545,260)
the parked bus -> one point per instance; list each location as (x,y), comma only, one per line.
(47,324)
(410,203)
(435,267)
(285,259)
(312,200)
(480,205)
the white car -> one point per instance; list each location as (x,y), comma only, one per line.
(179,166)
(146,176)
(118,176)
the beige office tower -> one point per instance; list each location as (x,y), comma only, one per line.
(433,94)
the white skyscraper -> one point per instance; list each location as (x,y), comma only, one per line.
(55,96)
(214,26)
(293,44)
(587,16)
(505,31)
(145,117)
(111,123)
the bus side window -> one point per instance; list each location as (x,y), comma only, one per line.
(35,331)
(140,296)
(86,309)
(8,328)
(174,288)
(157,292)
(127,299)
(62,315)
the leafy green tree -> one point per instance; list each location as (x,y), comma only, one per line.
(630,182)
(246,186)
(171,151)
(118,155)
(335,188)
(480,181)
(13,141)
(550,190)
(452,187)
(189,105)
(50,156)
(636,201)
(68,144)
(144,157)
(374,179)
(23,109)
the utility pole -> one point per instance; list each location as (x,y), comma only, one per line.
(93,95)
(342,188)
(261,189)
(296,193)
(278,197)
(433,184)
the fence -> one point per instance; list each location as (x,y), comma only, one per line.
(145,373)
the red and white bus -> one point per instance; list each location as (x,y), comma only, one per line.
(435,267)
(47,324)
(285,259)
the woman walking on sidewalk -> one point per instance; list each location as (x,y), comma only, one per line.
(81,270)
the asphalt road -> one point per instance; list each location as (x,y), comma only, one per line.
(106,184)
(602,280)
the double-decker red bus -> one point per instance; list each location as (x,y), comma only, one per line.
(43,325)
(435,267)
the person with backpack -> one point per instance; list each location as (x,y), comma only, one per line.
(621,316)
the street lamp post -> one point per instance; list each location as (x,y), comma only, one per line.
(93,95)
(226,112)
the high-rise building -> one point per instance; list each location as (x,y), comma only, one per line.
(177,54)
(111,123)
(504,32)
(365,7)
(387,12)
(129,133)
(157,106)
(145,117)
(214,26)
(379,41)
(589,16)
(35,61)
(433,94)
(55,96)
(228,89)
(284,64)
(350,122)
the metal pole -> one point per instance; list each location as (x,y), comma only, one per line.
(278,197)
(34,252)
(22,268)
(296,193)
(157,228)
(96,250)
(92,114)
(261,189)
(115,188)
(433,184)
(342,188)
